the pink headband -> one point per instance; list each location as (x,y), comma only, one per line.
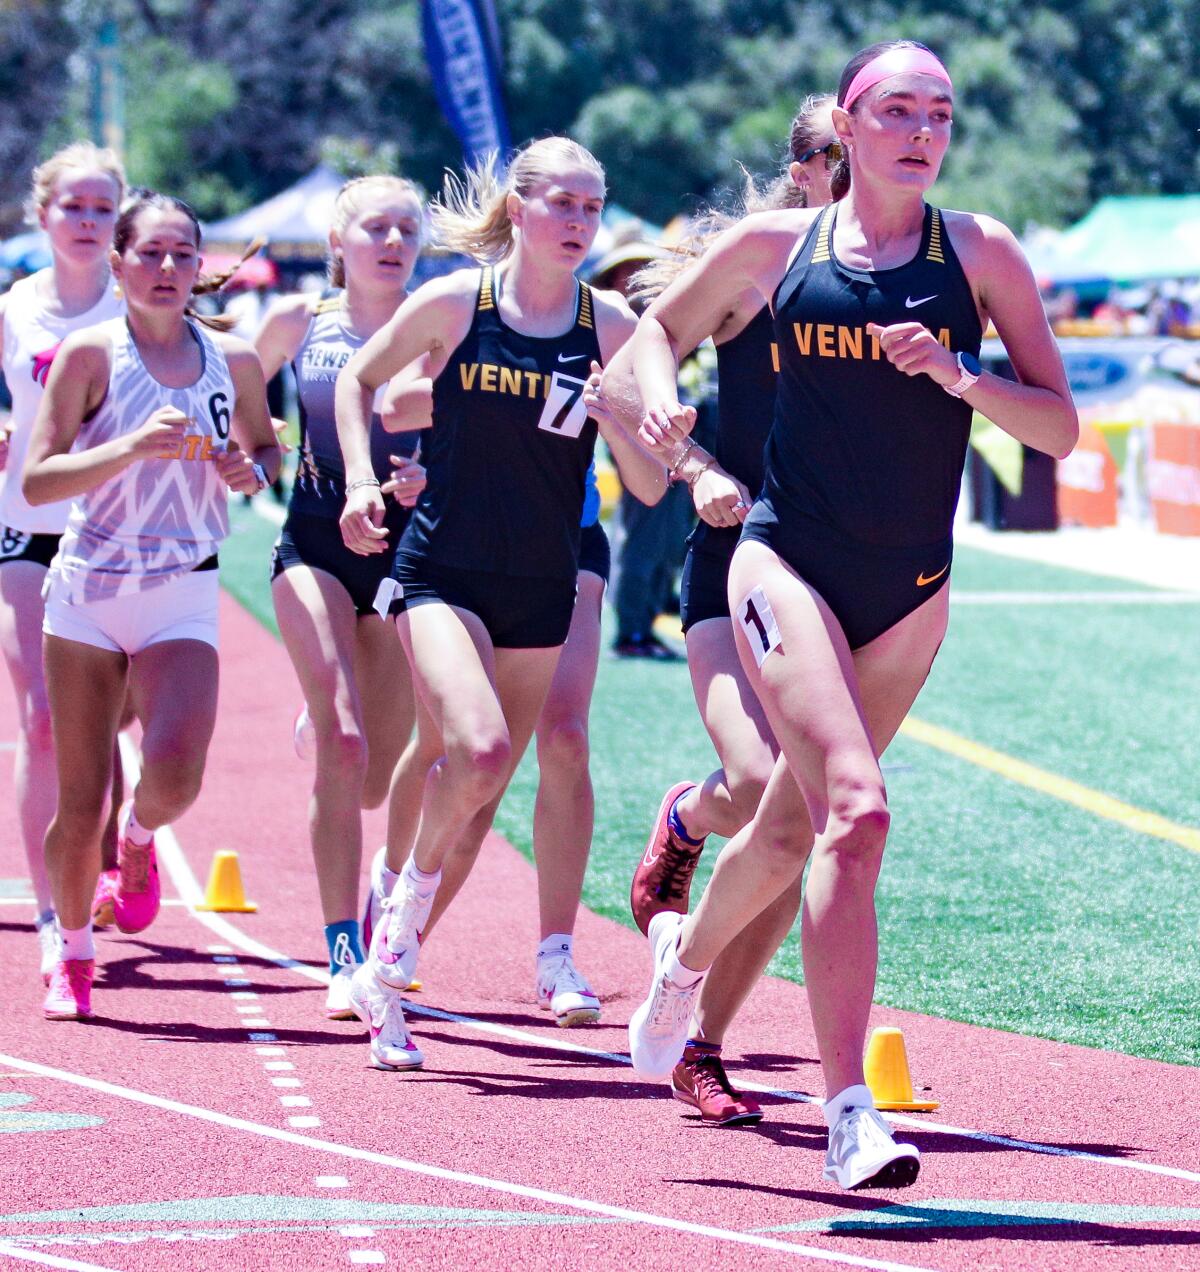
(903,61)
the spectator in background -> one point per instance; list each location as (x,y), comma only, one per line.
(650,548)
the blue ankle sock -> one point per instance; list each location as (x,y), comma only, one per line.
(676,827)
(345,944)
(699,1048)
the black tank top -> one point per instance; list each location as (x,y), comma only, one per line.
(874,453)
(747,377)
(508,452)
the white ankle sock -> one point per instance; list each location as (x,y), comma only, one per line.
(679,973)
(135,832)
(76,943)
(424,883)
(854,1097)
(556,945)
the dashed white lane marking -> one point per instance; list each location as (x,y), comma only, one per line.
(1074,598)
(759,1240)
(285,1082)
(353,1230)
(295,1101)
(270,1051)
(332,1181)
(366,1256)
(49,1260)
(173,859)
(279,1066)
(188,886)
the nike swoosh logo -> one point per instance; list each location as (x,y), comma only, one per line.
(922,581)
(909,303)
(562,357)
(648,860)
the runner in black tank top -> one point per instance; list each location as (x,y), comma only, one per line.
(863,468)
(745,745)
(488,563)
(853,535)
(507,460)
(746,386)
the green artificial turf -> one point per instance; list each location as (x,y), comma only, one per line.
(998,905)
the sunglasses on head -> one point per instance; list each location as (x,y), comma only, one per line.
(832,150)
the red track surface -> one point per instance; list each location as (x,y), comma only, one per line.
(509,1151)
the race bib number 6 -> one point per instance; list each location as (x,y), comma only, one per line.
(564,412)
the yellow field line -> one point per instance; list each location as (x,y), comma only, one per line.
(1136,819)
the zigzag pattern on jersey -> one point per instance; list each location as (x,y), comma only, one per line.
(160,516)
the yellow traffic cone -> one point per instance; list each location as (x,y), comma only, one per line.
(886,1068)
(224,892)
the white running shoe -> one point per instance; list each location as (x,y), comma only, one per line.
(397,938)
(658,1029)
(382,1012)
(563,991)
(304,734)
(47,935)
(377,892)
(862,1152)
(337,1001)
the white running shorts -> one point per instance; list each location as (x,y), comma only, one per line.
(183,609)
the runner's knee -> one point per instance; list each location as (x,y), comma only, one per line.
(858,822)
(481,765)
(562,749)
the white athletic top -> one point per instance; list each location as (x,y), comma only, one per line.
(159,517)
(31,339)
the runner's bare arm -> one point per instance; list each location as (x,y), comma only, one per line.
(253,434)
(641,382)
(643,474)
(75,388)
(1038,410)
(408,402)
(434,319)
(282,332)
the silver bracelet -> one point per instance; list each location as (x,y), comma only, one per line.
(681,459)
(362,481)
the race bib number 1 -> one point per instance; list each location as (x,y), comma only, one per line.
(564,412)
(758,624)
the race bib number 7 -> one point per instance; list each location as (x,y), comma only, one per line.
(758,625)
(564,412)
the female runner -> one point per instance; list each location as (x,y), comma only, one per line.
(722,488)
(838,583)
(76,194)
(356,685)
(169,415)
(564,807)
(488,565)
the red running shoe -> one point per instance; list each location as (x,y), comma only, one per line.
(663,879)
(104,898)
(701,1082)
(70,994)
(138,893)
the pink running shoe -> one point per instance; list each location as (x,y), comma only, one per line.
(104,898)
(70,994)
(138,892)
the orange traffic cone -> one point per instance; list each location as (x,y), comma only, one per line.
(224,892)
(886,1068)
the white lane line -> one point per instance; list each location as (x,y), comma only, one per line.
(172,856)
(332,1181)
(367,1256)
(1073,598)
(48,1260)
(645,1218)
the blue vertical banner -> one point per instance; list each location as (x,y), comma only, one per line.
(462,46)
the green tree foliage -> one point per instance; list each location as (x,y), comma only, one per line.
(36,41)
